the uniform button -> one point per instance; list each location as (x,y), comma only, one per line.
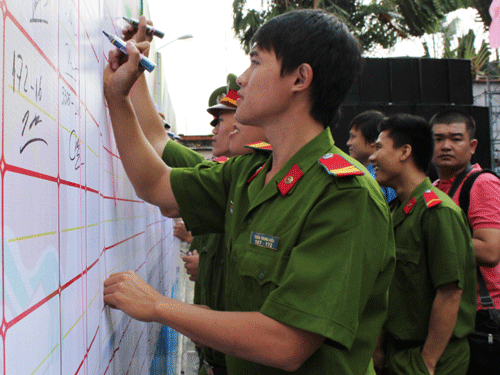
(249,220)
(204,248)
(262,275)
(235,259)
(328,156)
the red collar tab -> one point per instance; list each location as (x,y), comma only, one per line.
(289,181)
(431,198)
(221,159)
(409,206)
(230,98)
(256,173)
(339,166)
(259,146)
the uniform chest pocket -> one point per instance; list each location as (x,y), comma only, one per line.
(408,268)
(408,256)
(264,267)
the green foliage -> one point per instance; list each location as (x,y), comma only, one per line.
(465,46)
(381,23)
(375,24)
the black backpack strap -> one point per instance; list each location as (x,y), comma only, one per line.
(458,180)
(486,300)
(464,197)
(464,202)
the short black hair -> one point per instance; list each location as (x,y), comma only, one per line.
(452,116)
(406,129)
(367,123)
(321,40)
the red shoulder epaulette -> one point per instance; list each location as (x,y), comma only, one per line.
(409,206)
(259,146)
(338,166)
(431,198)
(291,178)
(221,159)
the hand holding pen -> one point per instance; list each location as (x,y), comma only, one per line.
(123,70)
(151,30)
(117,42)
(138,32)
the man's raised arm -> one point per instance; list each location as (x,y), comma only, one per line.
(150,121)
(146,171)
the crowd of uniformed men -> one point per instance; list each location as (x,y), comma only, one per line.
(308,260)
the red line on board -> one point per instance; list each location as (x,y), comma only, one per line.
(122,199)
(111,359)
(87,354)
(90,41)
(46,299)
(110,152)
(156,222)
(30,310)
(27,172)
(118,243)
(3,194)
(133,354)
(21,29)
(143,263)
(156,244)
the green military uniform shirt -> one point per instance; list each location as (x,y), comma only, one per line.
(209,289)
(308,249)
(433,248)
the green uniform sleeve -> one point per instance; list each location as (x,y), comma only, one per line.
(202,193)
(178,156)
(449,245)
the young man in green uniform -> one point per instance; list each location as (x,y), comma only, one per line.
(432,296)
(309,242)
(206,261)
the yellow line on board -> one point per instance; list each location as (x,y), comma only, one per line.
(67,33)
(47,357)
(32,103)
(92,151)
(93,299)
(73,326)
(32,236)
(71,229)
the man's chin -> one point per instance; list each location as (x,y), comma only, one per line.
(441,163)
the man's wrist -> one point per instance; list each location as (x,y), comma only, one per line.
(429,359)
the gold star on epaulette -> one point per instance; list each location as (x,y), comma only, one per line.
(338,166)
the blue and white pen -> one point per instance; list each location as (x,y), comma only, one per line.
(145,62)
(150,29)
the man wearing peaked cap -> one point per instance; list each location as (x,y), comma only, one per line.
(205,261)
(213,100)
(432,299)
(309,243)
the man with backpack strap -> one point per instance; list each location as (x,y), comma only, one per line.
(477,191)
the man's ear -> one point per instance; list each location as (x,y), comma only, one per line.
(473,145)
(405,152)
(303,77)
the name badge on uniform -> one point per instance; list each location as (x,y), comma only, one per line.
(263,240)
